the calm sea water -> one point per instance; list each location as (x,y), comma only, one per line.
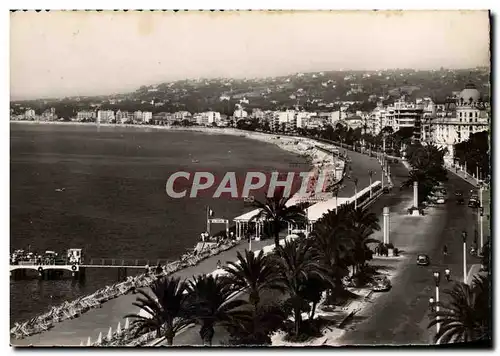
(114,204)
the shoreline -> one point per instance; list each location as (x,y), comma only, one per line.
(303,147)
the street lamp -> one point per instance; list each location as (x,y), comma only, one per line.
(464,239)
(370,173)
(437,277)
(481,214)
(355,180)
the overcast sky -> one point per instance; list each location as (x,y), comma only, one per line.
(89,53)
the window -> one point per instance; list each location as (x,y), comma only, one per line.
(470,113)
(460,114)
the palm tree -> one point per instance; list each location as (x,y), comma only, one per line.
(329,241)
(255,273)
(266,320)
(467,316)
(361,218)
(296,263)
(276,211)
(210,304)
(358,226)
(166,308)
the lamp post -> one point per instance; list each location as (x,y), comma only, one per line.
(355,180)
(437,277)
(464,240)
(370,173)
(481,214)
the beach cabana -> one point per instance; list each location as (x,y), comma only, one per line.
(243,221)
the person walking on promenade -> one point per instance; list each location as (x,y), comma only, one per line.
(219,264)
(445,250)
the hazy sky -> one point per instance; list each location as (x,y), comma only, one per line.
(89,53)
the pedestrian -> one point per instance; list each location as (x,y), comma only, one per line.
(445,250)
(219,264)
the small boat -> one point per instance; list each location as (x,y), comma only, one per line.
(195,161)
(60,189)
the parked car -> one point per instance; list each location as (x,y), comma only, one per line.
(385,190)
(459,193)
(423,260)
(381,284)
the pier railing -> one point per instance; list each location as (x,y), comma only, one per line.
(119,262)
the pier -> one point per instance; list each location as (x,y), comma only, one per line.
(76,270)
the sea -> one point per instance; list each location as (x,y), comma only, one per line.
(114,204)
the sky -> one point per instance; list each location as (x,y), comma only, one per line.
(57,54)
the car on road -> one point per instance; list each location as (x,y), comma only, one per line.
(459,193)
(460,201)
(440,200)
(381,284)
(386,190)
(423,260)
(473,201)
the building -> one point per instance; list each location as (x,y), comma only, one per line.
(86,115)
(239,113)
(470,116)
(182,115)
(302,118)
(354,122)
(105,116)
(284,121)
(162,118)
(211,117)
(404,114)
(123,117)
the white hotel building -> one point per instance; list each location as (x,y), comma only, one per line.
(470,116)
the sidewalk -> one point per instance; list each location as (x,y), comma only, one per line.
(464,175)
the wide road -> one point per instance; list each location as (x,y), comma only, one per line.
(360,165)
(401,315)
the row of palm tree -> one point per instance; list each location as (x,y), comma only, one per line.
(466,316)
(300,271)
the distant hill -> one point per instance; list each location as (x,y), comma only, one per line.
(313,91)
